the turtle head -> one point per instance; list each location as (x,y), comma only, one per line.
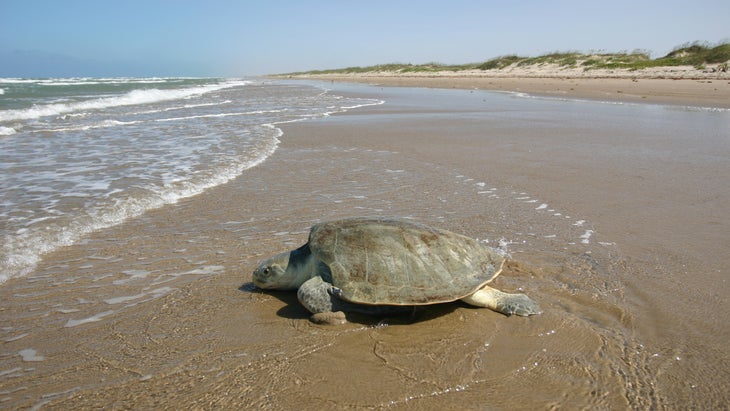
(277,273)
(272,273)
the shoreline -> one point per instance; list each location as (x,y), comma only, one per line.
(631,87)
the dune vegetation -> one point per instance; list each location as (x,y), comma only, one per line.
(696,54)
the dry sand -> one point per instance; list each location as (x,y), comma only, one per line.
(622,239)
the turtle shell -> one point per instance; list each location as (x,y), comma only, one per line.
(395,262)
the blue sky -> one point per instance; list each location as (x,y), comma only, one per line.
(51,38)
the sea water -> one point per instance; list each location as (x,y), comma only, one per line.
(81,154)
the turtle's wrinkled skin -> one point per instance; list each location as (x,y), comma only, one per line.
(374,265)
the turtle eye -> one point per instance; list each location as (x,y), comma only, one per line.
(267,270)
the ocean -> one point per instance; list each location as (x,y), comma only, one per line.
(81,154)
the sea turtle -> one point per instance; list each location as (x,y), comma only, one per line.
(373,265)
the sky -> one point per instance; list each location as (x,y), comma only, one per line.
(228,38)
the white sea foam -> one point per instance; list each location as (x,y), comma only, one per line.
(182,107)
(134,97)
(93,81)
(9,372)
(202,271)
(205,270)
(67,310)
(376,103)
(156,293)
(218,115)
(75,81)
(586,237)
(101,124)
(15,338)
(31,355)
(92,319)
(7,131)
(132,275)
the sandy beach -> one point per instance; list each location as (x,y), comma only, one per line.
(675,85)
(614,216)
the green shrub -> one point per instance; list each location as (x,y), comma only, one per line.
(499,62)
(719,54)
(691,54)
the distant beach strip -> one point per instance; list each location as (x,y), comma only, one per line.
(693,75)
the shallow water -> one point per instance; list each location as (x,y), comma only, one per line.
(79,155)
(159,310)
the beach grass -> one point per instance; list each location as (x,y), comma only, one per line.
(691,54)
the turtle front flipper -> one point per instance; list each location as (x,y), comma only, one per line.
(502,302)
(319,298)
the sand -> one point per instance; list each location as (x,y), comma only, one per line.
(619,233)
(681,86)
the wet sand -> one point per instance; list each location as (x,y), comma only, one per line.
(703,92)
(620,237)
